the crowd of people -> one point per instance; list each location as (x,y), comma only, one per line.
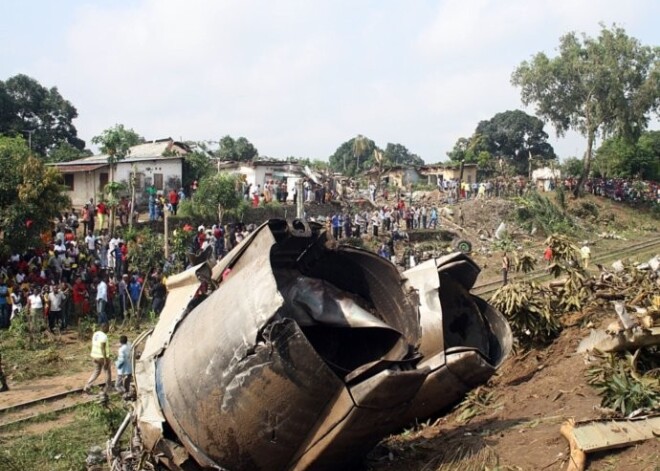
(72,277)
(620,189)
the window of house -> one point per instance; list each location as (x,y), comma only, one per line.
(68,181)
(158,181)
(103,180)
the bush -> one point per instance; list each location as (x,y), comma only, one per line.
(527,307)
(627,382)
(585,209)
(536,210)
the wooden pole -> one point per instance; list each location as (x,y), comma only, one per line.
(166,246)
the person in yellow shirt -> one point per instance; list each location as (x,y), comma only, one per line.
(101,357)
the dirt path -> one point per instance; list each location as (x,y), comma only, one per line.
(17,403)
(32,390)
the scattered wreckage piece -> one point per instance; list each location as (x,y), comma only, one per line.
(619,341)
(293,352)
(598,435)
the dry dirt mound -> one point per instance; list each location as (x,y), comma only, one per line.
(518,429)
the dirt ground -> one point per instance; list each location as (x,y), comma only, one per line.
(534,394)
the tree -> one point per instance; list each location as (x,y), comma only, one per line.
(571,167)
(239,150)
(618,157)
(516,136)
(116,143)
(216,194)
(398,154)
(598,87)
(31,196)
(145,253)
(513,136)
(344,159)
(29,108)
(65,152)
(196,166)
(647,163)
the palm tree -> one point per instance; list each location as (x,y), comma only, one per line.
(360,147)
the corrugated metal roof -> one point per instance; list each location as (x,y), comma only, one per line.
(147,151)
(79,168)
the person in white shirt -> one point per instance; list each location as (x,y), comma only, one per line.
(35,305)
(124,365)
(90,242)
(16,301)
(102,301)
(56,301)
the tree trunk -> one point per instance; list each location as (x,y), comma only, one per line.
(113,206)
(591,135)
(221,212)
(132,209)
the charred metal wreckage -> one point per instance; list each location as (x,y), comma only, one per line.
(294,352)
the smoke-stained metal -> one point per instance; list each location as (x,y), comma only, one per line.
(298,353)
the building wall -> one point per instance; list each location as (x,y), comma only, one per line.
(88,185)
(85,186)
(170,172)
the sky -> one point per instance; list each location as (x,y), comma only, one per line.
(299,77)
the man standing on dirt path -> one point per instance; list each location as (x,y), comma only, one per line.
(506,264)
(3,380)
(101,357)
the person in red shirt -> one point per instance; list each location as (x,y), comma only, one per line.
(101,212)
(79,295)
(173,198)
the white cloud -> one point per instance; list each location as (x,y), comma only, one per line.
(299,78)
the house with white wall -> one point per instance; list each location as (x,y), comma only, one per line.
(258,172)
(158,163)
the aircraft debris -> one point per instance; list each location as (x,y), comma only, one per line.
(297,353)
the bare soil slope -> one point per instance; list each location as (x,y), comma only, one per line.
(532,395)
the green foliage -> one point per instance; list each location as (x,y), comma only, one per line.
(179,248)
(584,210)
(398,154)
(146,251)
(65,152)
(572,167)
(217,194)
(116,142)
(527,307)
(26,105)
(478,402)
(346,161)
(239,150)
(565,254)
(524,262)
(31,195)
(110,415)
(196,165)
(515,135)
(605,85)
(561,197)
(60,448)
(620,157)
(468,149)
(536,210)
(627,382)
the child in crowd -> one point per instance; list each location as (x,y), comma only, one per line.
(124,364)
